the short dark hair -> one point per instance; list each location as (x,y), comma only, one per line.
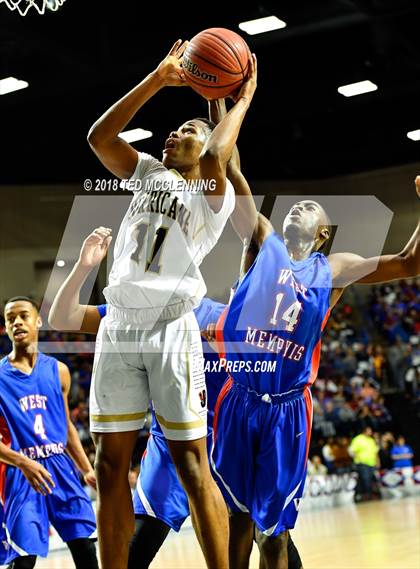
(210,124)
(25,298)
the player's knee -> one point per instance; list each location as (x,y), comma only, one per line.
(272,547)
(27,562)
(190,472)
(109,465)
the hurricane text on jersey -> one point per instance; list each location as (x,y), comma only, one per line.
(161,243)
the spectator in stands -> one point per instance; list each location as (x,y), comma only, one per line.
(365,454)
(365,418)
(328,454)
(342,458)
(315,466)
(402,454)
(385,446)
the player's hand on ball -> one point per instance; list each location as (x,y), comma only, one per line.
(170,69)
(417,181)
(90,479)
(37,476)
(248,88)
(95,247)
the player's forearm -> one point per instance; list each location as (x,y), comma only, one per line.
(11,457)
(76,450)
(115,119)
(244,217)
(217,111)
(66,311)
(223,138)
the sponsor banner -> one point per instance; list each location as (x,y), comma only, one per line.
(400,482)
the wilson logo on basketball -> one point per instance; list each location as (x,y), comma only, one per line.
(193,69)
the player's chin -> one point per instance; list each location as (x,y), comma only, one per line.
(167,161)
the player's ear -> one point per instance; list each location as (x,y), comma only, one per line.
(38,322)
(324,233)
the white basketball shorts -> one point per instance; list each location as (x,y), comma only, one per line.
(134,366)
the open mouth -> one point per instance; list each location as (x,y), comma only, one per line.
(170,143)
(20,335)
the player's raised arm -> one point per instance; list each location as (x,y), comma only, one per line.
(66,312)
(74,446)
(219,146)
(244,216)
(116,155)
(348,268)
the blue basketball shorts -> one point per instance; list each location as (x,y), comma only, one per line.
(260,451)
(27,514)
(159,493)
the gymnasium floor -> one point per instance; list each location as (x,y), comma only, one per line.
(375,535)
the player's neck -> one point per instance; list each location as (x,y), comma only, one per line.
(299,249)
(25,354)
(191,173)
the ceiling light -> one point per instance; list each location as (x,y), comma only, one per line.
(135,134)
(262,25)
(11,84)
(414,135)
(357,88)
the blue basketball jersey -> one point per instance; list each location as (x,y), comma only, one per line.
(32,408)
(206,313)
(33,422)
(270,333)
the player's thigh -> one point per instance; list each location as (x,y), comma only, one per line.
(25,518)
(175,367)
(234,446)
(119,393)
(70,509)
(158,492)
(114,452)
(281,466)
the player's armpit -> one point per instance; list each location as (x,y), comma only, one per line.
(214,170)
(91,320)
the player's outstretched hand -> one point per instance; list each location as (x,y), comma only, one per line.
(95,247)
(170,69)
(248,88)
(37,476)
(417,181)
(90,479)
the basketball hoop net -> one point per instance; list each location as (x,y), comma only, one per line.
(22,6)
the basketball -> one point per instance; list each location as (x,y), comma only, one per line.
(216,62)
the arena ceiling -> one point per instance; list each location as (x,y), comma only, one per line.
(79,60)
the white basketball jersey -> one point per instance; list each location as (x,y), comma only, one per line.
(167,231)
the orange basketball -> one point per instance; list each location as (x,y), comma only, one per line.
(216,62)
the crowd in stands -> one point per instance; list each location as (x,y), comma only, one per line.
(359,360)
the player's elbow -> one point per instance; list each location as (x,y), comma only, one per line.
(410,264)
(56,320)
(93,137)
